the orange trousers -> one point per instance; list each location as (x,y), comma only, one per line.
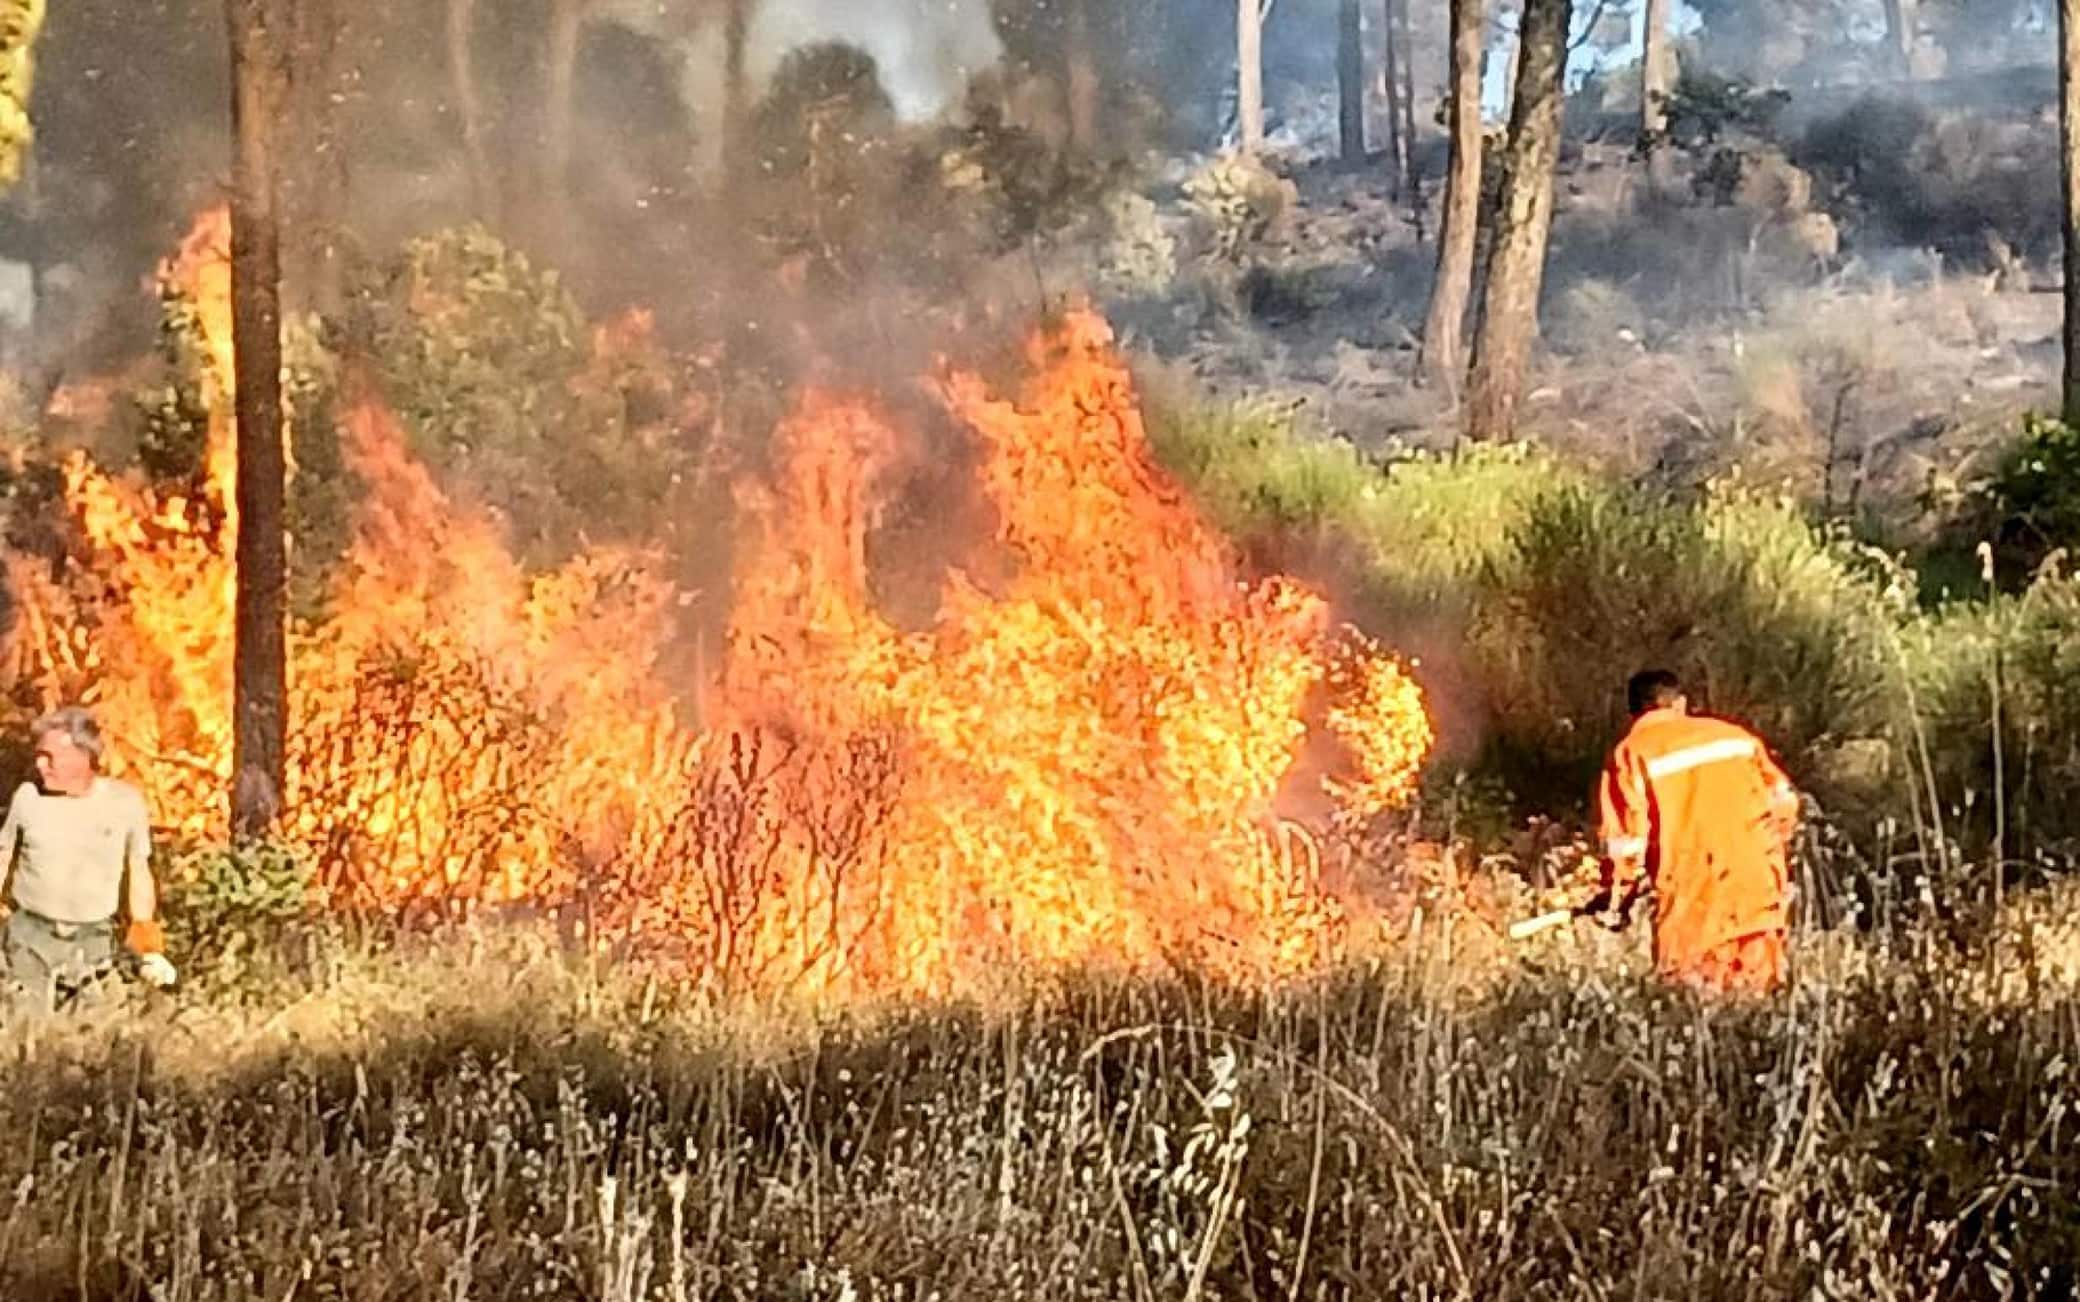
(1751,965)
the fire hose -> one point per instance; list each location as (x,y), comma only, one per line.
(1618,916)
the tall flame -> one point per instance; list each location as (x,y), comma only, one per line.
(1079,760)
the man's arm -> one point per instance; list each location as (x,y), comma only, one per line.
(1783,796)
(141,893)
(10,841)
(1625,822)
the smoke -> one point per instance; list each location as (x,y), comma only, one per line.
(926,51)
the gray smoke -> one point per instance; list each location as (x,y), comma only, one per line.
(927,50)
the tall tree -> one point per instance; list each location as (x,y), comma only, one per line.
(1391,55)
(736,92)
(1656,77)
(1249,72)
(1444,330)
(1902,29)
(259,94)
(461,40)
(21,21)
(1517,259)
(1405,38)
(1080,76)
(560,78)
(2069,132)
(1350,80)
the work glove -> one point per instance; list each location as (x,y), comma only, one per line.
(157,971)
(147,939)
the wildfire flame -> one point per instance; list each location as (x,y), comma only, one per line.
(1079,760)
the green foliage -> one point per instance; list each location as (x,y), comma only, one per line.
(1239,202)
(1541,590)
(1705,107)
(2012,660)
(1766,620)
(492,367)
(173,445)
(224,903)
(1423,524)
(21,21)
(2037,492)
(477,348)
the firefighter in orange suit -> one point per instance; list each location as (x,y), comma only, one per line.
(1697,811)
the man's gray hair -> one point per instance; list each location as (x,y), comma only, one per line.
(78,725)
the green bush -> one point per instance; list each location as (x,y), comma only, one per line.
(2037,491)
(492,367)
(224,904)
(1766,619)
(1422,525)
(1531,591)
(2014,659)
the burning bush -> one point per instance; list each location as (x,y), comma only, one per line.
(1081,759)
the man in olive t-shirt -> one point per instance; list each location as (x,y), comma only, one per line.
(76,851)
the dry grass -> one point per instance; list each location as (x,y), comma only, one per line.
(485,1117)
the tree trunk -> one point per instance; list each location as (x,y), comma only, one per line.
(1901,29)
(2069,129)
(560,91)
(1249,71)
(462,84)
(1516,263)
(736,95)
(1391,73)
(259,81)
(1350,82)
(1406,40)
(1080,65)
(1443,331)
(1656,79)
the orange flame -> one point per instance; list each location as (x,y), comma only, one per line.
(1077,762)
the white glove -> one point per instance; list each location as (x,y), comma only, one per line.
(157,970)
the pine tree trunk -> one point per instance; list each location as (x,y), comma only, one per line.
(469,106)
(1443,331)
(2069,127)
(1391,73)
(259,80)
(736,94)
(1081,75)
(1350,82)
(1249,65)
(1405,35)
(1655,82)
(1516,263)
(560,92)
(1901,29)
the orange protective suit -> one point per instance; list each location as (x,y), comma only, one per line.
(1696,808)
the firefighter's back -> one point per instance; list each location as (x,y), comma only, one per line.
(1720,871)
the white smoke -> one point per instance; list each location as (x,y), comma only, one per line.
(927,51)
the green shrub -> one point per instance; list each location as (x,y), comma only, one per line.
(223,904)
(1534,591)
(2037,491)
(1422,525)
(2014,658)
(1766,619)
(493,369)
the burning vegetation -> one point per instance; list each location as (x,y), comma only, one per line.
(1084,756)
